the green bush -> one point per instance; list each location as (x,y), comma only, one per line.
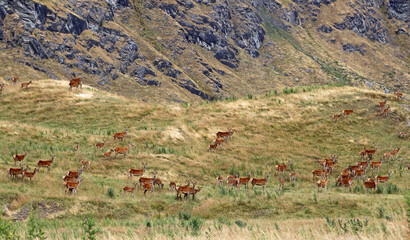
(7,230)
(35,228)
(110,193)
(240,223)
(90,232)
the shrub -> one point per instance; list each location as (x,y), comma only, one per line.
(89,229)
(240,223)
(35,228)
(184,215)
(110,193)
(392,188)
(7,230)
(249,96)
(195,224)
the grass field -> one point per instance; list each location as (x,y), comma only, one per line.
(289,124)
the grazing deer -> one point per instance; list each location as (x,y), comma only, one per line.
(25,84)
(292,176)
(121,135)
(337,116)
(377,165)
(282,168)
(159,183)
(100,145)
(322,184)
(219,180)
(29,174)
(85,164)
(76,82)
(244,181)
(398,94)
(14,172)
(385,111)
(317,173)
(172,186)
(347,112)
(282,183)
(369,185)
(14,80)
(76,148)
(212,147)
(383,179)
(107,155)
(19,158)
(137,172)
(129,189)
(403,135)
(45,163)
(382,104)
(260,182)
(123,150)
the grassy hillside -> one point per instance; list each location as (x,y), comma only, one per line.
(173,139)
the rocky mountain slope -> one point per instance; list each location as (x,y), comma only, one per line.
(187,50)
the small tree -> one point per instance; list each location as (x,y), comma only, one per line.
(89,229)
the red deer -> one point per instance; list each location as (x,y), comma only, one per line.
(370,153)
(383,179)
(394,153)
(330,165)
(292,176)
(219,142)
(244,181)
(121,135)
(403,134)
(347,182)
(282,183)
(363,165)
(347,112)
(232,177)
(70,178)
(45,163)
(321,163)
(14,81)
(387,156)
(337,116)
(72,186)
(14,172)
(123,150)
(398,94)
(282,168)
(370,184)
(225,134)
(342,177)
(317,173)
(377,165)
(186,190)
(382,104)
(19,158)
(76,148)
(25,84)
(129,189)
(85,164)
(137,172)
(219,180)
(353,169)
(143,180)
(232,183)
(213,147)
(159,183)
(29,174)
(100,145)
(385,111)
(149,186)
(76,82)
(172,186)
(194,192)
(260,182)
(107,155)
(362,153)
(75,173)
(322,184)
(360,173)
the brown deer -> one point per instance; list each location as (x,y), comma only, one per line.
(370,185)
(321,163)
(244,181)
(360,173)
(143,180)
(260,182)
(398,94)
(129,189)
(29,174)
(385,111)
(395,151)
(232,177)
(362,154)
(75,173)
(100,145)
(387,156)
(149,186)
(123,150)
(107,155)
(14,80)
(25,84)
(186,190)
(45,163)
(19,158)
(353,169)
(212,147)
(76,148)
(219,142)
(329,165)
(377,165)
(370,153)
(14,172)
(172,186)
(347,182)
(317,173)
(219,180)
(72,186)
(403,135)
(159,183)
(70,178)
(383,179)
(337,116)
(292,176)
(382,104)
(224,135)
(322,184)
(232,183)
(194,192)
(282,168)
(76,82)
(348,112)
(282,183)
(85,164)
(137,172)
(121,135)
(362,165)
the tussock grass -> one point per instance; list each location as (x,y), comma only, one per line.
(271,129)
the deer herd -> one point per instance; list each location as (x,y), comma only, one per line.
(72,180)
